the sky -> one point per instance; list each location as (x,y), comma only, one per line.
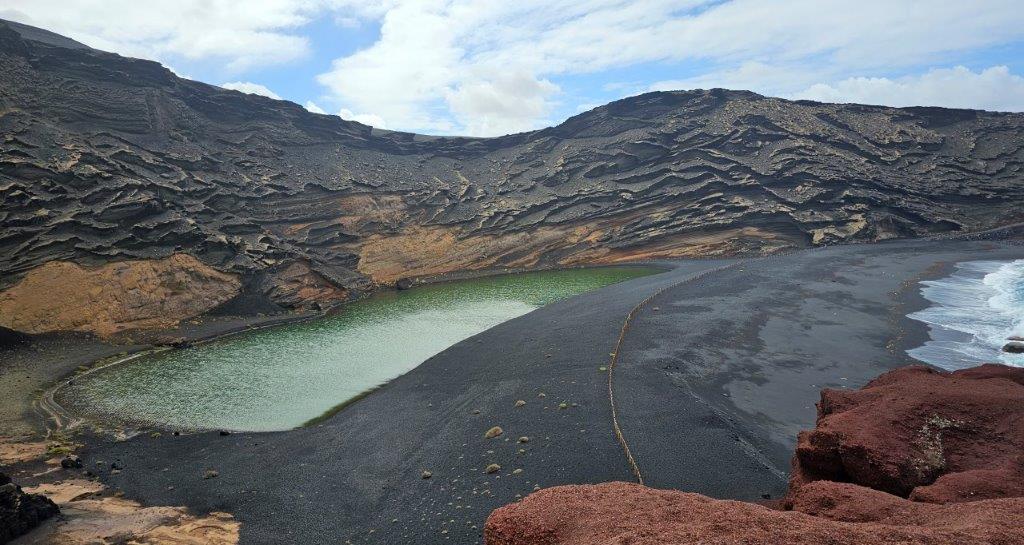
(492,67)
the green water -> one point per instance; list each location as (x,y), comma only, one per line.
(280,378)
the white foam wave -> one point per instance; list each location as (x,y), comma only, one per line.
(973,313)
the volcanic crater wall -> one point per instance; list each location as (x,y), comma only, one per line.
(106,159)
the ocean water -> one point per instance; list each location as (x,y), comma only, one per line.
(973,313)
(280,378)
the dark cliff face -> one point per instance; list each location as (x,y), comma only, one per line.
(105,158)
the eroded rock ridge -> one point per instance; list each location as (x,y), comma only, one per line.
(105,158)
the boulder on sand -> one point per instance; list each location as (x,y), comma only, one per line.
(19,511)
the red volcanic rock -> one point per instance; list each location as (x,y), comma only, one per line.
(917,456)
(920,433)
(615,513)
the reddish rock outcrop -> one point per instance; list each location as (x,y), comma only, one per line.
(917,456)
(920,433)
(629,513)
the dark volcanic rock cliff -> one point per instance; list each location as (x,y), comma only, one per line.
(105,158)
(21,512)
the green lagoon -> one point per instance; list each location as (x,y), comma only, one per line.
(282,377)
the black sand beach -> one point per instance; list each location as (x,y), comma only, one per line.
(714,379)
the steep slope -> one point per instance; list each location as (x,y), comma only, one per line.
(105,158)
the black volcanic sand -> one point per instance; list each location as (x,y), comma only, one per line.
(711,387)
(714,385)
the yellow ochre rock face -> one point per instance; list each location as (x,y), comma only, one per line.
(435,250)
(158,293)
(92,515)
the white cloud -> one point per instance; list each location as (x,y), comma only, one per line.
(434,67)
(251,88)
(241,35)
(501,103)
(490,67)
(768,79)
(177,73)
(372,120)
(311,106)
(994,88)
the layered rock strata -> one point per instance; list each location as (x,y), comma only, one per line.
(108,159)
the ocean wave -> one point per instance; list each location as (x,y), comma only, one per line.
(974,312)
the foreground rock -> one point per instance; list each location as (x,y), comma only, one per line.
(21,511)
(92,515)
(90,512)
(613,513)
(923,434)
(915,457)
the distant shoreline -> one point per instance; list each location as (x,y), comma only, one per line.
(710,396)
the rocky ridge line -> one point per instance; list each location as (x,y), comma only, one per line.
(105,158)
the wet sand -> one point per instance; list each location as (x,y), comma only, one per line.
(710,387)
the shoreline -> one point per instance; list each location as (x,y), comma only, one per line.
(49,410)
(90,440)
(682,410)
(972,331)
(208,330)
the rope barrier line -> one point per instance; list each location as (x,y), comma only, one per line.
(616,427)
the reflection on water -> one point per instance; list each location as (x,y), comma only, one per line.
(279,378)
